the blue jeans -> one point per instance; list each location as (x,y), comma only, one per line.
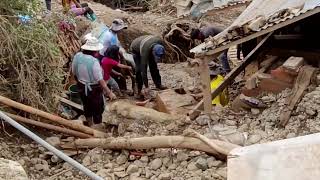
(223,57)
(113,84)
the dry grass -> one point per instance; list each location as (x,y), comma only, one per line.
(30,63)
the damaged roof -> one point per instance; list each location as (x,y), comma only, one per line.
(260,17)
(196,8)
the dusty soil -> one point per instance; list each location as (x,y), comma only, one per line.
(242,128)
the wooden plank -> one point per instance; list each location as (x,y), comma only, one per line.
(228,79)
(205,82)
(200,52)
(70,103)
(301,84)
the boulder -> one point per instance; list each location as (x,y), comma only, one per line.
(12,170)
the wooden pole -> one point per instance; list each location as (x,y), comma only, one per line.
(154,142)
(49,126)
(234,73)
(205,82)
(46,115)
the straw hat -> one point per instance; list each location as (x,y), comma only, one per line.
(118,25)
(92,44)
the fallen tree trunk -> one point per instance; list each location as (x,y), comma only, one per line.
(131,111)
(209,142)
(48,126)
(48,116)
(154,142)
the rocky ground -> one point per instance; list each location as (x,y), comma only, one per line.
(244,128)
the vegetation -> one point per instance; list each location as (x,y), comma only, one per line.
(30,61)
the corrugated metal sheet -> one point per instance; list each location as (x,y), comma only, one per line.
(260,15)
(196,8)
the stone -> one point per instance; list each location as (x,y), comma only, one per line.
(184,164)
(108,166)
(192,166)
(164,176)
(68,174)
(22,162)
(155,164)
(182,156)
(35,161)
(86,161)
(293,63)
(144,159)
(12,170)
(166,161)
(132,169)
(121,159)
(222,172)
(120,174)
(139,163)
(253,139)
(202,164)
(290,135)
(172,166)
(104,173)
(54,141)
(231,123)
(203,120)
(215,164)
(310,112)
(255,111)
(148,173)
(118,169)
(41,167)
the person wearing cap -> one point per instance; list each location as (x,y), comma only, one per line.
(205,32)
(147,51)
(79,9)
(91,86)
(109,37)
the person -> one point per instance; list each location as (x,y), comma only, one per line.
(110,61)
(147,51)
(109,36)
(48,5)
(91,86)
(204,33)
(79,9)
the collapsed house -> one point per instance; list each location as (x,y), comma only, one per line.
(279,40)
(196,8)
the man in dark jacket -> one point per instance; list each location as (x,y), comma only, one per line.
(204,33)
(147,51)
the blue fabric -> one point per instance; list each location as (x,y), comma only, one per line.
(158,52)
(79,59)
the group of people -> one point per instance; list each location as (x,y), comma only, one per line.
(94,68)
(76,8)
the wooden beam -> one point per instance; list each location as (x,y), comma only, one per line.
(228,79)
(205,82)
(70,103)
(301,84)
(200,52)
